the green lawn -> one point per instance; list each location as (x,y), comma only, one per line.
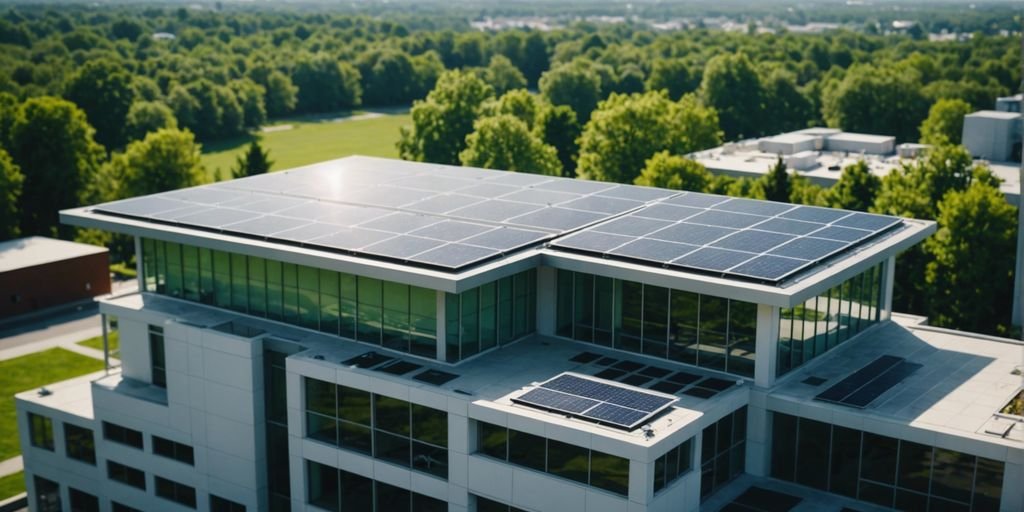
(97,342)
(29,372)
(311,140)
(11,485)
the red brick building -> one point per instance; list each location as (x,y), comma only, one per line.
(38,272)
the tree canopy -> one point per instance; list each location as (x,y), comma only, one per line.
(885,100)
(442,121)
(506,142)
(945,122)
(675,172)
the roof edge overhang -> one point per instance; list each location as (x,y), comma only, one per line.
(513,263)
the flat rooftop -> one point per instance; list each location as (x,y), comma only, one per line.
(995,114)
(963,382)
(37,250)
(361,214)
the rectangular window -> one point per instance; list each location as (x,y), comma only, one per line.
(40,431)
(120,507)
(723,451)
(149,264)
(190,272)
(126,475)
(221,279)
(239,283)
(157,357)
(173,450)
(83,501)
(218,504)
(670,467)
(79,443)
(338,490)
(47,495)
(123,435)
(176,492)
(257,286)
(174,269)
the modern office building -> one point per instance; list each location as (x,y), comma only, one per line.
(37,273)
(378,335)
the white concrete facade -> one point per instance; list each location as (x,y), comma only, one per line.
(219,395)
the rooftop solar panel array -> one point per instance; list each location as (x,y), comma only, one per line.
(422,214)
(450,218)
(862,387)
(745,238)
(597,401)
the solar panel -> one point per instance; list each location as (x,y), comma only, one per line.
(884,382)
(593,241)
(595,400)
(653,250)
(752,241)
(451,230)
(855,381)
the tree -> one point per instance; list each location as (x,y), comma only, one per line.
(215,113)
(442,121)
(671,75)
(970,279)
(503,76)
(183,104)
(52,142)
(386,77)
(856,188)
(945,122)
(573,85)
(147,116)
(11,181)
(665,170)
(104,91)
(558,127)
(697,123)
(878,100)
(535,56)
(786,107)
(326,85)
(505,142)
(281,94)
(731,85)
(776,184)
(167,159)
(250,96)
(626,130)
(254,161)
(519,103)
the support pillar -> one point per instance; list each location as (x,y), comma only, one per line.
(766,345)
(888,282)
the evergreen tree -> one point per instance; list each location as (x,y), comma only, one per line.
(856,188)
(776,183)
(254,161)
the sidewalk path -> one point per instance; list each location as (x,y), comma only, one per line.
(11,466)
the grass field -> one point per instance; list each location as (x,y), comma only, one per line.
(11,485)
(97,342)
(312,139)
(29,372)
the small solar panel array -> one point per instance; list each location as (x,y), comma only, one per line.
(757,240)
(652,377)
(434,216)
(591,399)
(450,218)
(865,385)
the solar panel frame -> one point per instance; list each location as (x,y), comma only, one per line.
(607,402)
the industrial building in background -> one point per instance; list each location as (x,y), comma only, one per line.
(380,335)
(37,273)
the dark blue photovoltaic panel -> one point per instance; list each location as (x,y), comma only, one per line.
(596,400)
(451,230)
(788,226)
(608,205)
(266,225)
(505,239)
(496,210)
(556,400)
(559,219)
(630,225)
(615,415)
(352,238)
(884,382)
(454,255)
(867,221)
(654,250)
(443,203)
(710,258)
(643,194)
(752,241)
(808,248)
(686,233)
(754,207)
(400,222)
(857,379)
(402,246)
(841,234)
(815,214)
(668,212)
(865,385)
(593,241)
(696,199)
(725,219)
(769,267)
(539,197)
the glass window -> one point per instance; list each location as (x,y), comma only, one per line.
(391,414)
(322,484)
(347,315)
(79,443)
(568,461)
(126,475)
(564,304)
(396,316)
(392,448)
(469,341)
(526,450)
(206,286)
(583,307)
(844,461)
(218,504)
(370,313)
(221,279)
(176,492)
(356,492)
(629,313)
(174,269)
(988,484)
(123,435)
(674,464)
(604,306)
(452,310)
(149,264)
(40,431)
(783,446)
(609,472)
(390,497)
(506,329)
(354,405)
(190,272)
(290,282)
(423,321)
(239,283)
(655,326)
(157,358)
(714,315)
(309,297)
(275,290)
(330,301)
(83,501)
(815,442)
(492,440)
(173,450)
(47,495)
(257,286)
(523,315)
(915,466)
(878,458)
(488,316)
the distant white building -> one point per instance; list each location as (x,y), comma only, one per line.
(379,335)
(995,135)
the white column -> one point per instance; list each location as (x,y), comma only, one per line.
(759,437)
(887,285)
(766,345)
(442,326)
(547,300)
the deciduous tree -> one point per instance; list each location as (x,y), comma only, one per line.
(665,170)
(882,100)
(945,122)
(856,188)
(11,181)
(442,121)
(148,116)
(103,89)
(505,142)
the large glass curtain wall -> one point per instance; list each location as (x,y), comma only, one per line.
(890,472)
(393,315)
(701,330)
(820,323)
(490,315)
(723,452)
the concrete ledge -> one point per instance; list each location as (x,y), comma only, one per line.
(14,503)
